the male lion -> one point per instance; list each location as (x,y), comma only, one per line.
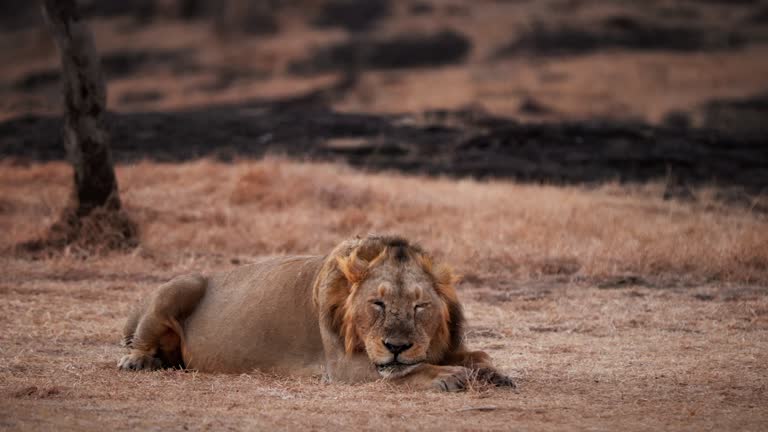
(374,308)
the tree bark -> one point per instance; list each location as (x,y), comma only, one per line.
(85,133)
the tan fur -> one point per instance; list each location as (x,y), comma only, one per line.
(343,315)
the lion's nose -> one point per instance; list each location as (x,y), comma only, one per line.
(397,347)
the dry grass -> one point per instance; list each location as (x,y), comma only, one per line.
(680,341)
(492,232)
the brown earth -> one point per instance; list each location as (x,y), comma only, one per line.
(610,306)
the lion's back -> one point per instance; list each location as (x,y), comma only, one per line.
(258,316)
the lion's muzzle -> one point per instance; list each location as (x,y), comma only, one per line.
(396,347)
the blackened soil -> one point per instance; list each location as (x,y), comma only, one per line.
(749,114)
(620,32)
(353,15)
(456,143)
(402,51)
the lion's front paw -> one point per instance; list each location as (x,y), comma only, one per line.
(500,380)
(139,361)
(453,379)
(493,376)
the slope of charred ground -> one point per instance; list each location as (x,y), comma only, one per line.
(457,143)
(621,32)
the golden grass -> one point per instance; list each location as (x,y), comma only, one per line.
(490,231)
(682,345)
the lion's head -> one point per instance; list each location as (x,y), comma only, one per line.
(385,297)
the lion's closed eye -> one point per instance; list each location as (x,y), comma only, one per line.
(421,306)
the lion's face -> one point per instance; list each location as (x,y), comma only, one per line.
(397,309)
(397,314)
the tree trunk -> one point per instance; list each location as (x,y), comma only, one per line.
(93,222)
(85,134)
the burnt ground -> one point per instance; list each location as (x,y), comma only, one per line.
(454,143)
(621,32)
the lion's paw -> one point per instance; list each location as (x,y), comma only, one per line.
(496,378)
(500,380)
(138,362)
(452,380)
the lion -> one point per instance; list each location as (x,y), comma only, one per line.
(374,308)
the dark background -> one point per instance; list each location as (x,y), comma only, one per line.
(556,91)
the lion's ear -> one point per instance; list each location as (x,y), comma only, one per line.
(443,275)
(353,267)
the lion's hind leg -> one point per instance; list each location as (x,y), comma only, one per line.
(154,332)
